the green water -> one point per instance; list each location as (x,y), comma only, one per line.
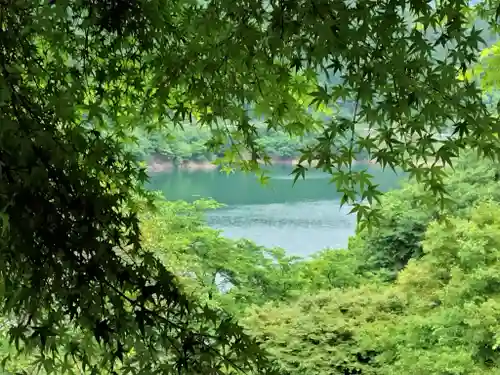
(301,219)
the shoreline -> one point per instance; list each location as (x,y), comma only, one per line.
(160,165)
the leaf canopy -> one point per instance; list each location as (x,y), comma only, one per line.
(77,76)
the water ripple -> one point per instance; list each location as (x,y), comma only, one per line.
(301,227)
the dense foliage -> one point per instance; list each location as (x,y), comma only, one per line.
(83,290)
(406,215)
(439,317)
(344,311)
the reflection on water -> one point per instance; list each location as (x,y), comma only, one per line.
(300,218)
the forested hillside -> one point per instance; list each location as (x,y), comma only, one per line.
(98,275)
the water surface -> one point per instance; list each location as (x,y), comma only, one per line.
(301,218)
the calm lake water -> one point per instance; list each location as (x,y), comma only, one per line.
(301,219)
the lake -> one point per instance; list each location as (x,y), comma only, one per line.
(301,218)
